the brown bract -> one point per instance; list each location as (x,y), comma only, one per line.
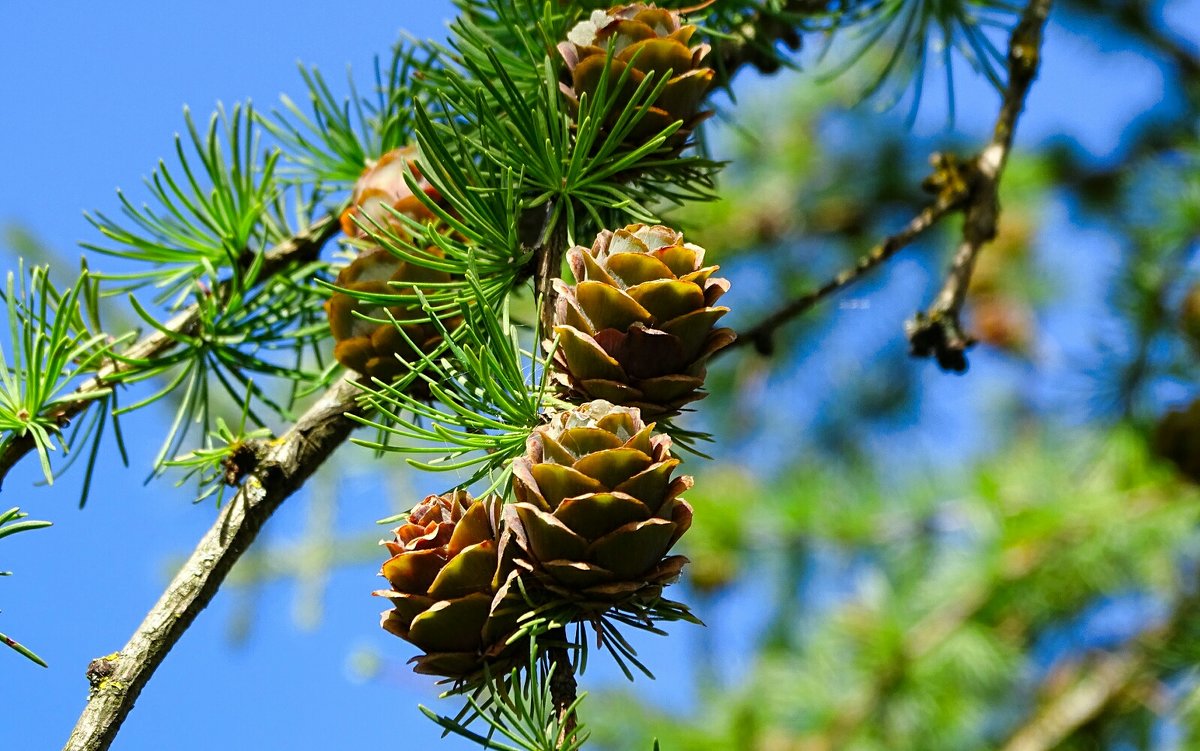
(598,510)
(382,185)
(638,327)
(444,573)
(644,40)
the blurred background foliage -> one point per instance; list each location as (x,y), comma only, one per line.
(889,557)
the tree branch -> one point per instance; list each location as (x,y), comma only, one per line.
(563,692)
(303,247)
(975,190)
(937,332)
(547,260)
(1108,676)
(761,334)
(289,462)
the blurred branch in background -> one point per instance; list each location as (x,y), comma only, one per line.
(972,186)
(937,332)
(921,617)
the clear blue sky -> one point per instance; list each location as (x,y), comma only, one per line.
(91,95)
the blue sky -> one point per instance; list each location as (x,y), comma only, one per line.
(91,98)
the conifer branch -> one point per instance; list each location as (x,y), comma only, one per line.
(937,332)
(303,247)
(973,189)
(1105,679)
(757,37)
(289,461)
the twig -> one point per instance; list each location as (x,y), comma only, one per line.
(303,247)
(290,461)
(1107,678)
(563,692)
(547,263)
(761,334)
(937,332)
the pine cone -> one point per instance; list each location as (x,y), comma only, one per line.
(382,184)
(444,573)
(644,39)
(371,347)
(637,328)
(597,510)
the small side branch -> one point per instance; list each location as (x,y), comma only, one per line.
(761,335)
(547,260)
(301,248)
(937,332)
(289,462)
(563,692)
(1107,678)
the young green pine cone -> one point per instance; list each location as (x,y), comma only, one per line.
(373,347)
(597,509)
(382,185)
(644,40)
(638,327)
(444,572)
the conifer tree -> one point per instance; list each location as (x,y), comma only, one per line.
(474,269)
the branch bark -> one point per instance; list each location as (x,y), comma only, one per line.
(289,462)
(937,332)
(563,692)
(299,249)
(548,258)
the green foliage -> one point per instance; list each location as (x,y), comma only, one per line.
(330,146)
(952,586)
(208,221)
(53,338)
(12,522)
(484,404)
(912,30)
(521,709)
(227,455)
(233,332)
(511,126)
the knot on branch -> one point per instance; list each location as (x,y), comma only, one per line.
(244,457)
(940,336)
(953,179)
(100,670)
